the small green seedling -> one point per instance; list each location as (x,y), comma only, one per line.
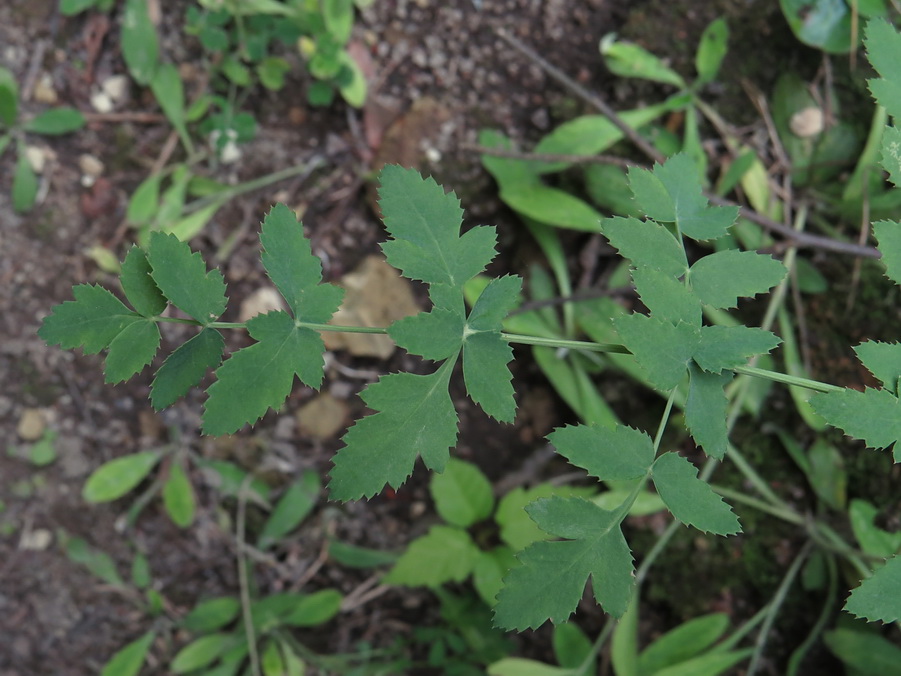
(53,122)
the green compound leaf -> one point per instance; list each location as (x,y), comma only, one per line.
(888,234)
(182,278)
(416,417)
(444,554)
(672,193)
(722,277)
(91,321)
(646,243)
(259,377)
(883,360)
(666,297)
(434,335)
(425,223)
(132,350)
(184,368)
(485,352)
(293,268)
(550,582)
(725,347)
(705,410)
(873,416)
(115,478)
(691,500)
(608,454)
(139,287)
(462,494)
(883,44)
(879,597)
(661,349)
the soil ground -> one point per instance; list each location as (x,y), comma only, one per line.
(439,74)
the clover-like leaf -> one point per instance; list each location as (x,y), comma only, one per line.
(672,193)
(486,353)
(721,278)
(879,597)
(883,360)
(425,224)
(662,350)
(888,234)
(415,417)
(182,277)
(462,494)
(444,554)
(295,271)
(873,416)
(259,377)
(705,410)
(185,367)
(138,285)
(725,347)
(550,582)
(608,454)
(646,243)
(666,298)
(691,500)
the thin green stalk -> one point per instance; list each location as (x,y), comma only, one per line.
(798,654)
(775,605)
(599,642)
(243,579)
(737,496)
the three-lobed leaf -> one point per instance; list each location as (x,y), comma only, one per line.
(646,243)
(550,582)
(721,278)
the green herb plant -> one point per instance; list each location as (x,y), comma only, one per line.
(53,122)
(414,416)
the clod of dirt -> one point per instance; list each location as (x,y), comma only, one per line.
(31,425)
(323,417)
(376,296)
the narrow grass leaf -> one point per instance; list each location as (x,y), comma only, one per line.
(316,608)
(864,652)
(25,184)
(705,410)
(879,598)
(662,350)
(295,271)
(98,562)
(721,278)
(128,660)
(212,614)
(462,494)
(686,641)
(56,121)
(9,97)
(117,477)
(259,377)
(184,368)
(139,287)
(140,47)
(646,243)
(873,416)
(293,507)
(415,417)
(691,500)
(519,666)
(91,321)
(485,352)
(608,454)
(444,554)
(551,580)
(182,277)
(725,347)
(169,92)
(711,50)
(178,497)
(201,652)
